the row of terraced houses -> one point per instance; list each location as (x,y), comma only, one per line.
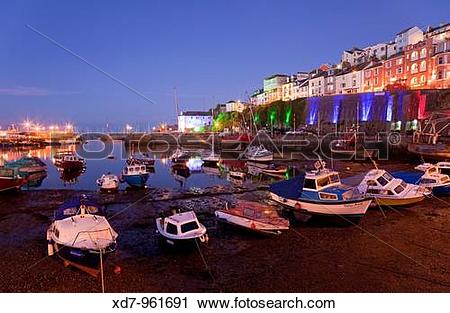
(414,59)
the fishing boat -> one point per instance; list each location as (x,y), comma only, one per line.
(27,166)
(429,140)
(10,179)
(108,183)
(80,233)
(390,191)
(138,160)
(320,192)
(68,160)
(258,154)
(181,228)
(180,156)
(435,177)
(135,175)
(253,216)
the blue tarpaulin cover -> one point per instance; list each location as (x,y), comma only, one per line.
(409,177)
(289,189)
(71,207)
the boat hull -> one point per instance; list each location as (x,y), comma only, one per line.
(249,224)
(138,181)
(84,257)
(7,183)
(353,209)
(441,190)
(398,201)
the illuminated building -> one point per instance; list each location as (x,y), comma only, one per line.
(194,121)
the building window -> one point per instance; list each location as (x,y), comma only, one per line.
(414,81)
(388,72)
(399,70)
(376,71)
(414,68)
(422,79)
(399,61)
(441,60)
(423,66)
(368,73)
(440,75)
(376,81)
(414,55)
(387,64)
(423,52)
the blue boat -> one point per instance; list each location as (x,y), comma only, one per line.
(434,177)
(135,175)
(320,192)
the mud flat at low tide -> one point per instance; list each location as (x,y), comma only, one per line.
(401,250)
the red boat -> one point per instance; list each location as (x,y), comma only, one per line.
(9,179)
(236,139)
(68,160)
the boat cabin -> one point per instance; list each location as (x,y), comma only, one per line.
(444,167)
(318,180)
(181,224)
(135,170)
(380,182)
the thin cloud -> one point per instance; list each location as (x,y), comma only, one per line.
(23,91)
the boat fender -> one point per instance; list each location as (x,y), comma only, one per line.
(298,206)
(252,225)
(204,238)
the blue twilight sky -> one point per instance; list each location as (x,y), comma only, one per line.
(211,51)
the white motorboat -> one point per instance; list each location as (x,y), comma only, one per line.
(80,232)
(390,191)
(253,216)
(181,228)
(108,182)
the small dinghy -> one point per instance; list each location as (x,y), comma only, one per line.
(68,161)
(108,183)
(253,216)
(181,228)
(80,233)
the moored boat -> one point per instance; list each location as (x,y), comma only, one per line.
(435,177)
(27,166)
(275,170)
(253,216)
(181,228)
(10,179)
(258,154)
(80,232)
(135,175)
(68,160)
(390,191)
(108,183)
(320,193)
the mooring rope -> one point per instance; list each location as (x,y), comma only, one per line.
(208,269)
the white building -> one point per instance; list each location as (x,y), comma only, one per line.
(316,85)
(194,121)
(378,50)
(301,89)
(350,80)
(235,106)
(352,56)
(408,36)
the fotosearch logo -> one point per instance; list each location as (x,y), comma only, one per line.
(308,146)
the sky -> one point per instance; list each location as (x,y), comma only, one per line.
(94,63)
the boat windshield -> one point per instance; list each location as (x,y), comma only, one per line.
(385,179)
(186,227)
(328,180)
